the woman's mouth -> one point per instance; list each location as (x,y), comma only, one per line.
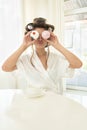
(40,42)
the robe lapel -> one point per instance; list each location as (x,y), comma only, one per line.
(44,73)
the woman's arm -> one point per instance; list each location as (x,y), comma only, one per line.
(74,61)
(10,63)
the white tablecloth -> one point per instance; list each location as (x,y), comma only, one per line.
(48,112)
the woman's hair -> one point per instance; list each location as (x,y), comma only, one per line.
(38,23)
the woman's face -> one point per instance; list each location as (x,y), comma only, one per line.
(40,42)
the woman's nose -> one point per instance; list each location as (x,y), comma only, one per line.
(40,37)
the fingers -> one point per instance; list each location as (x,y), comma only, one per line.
(52,40)
(53,35)
(45,40)
(28,40)
(33,41)
(28,34)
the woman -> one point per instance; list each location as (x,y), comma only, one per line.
(41,68)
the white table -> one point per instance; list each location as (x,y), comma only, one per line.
(49,112)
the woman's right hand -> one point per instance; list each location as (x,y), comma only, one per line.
(27,41)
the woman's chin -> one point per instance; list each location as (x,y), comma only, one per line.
(40,45)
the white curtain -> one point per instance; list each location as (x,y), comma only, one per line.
(10,27)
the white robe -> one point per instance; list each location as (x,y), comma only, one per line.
(38,77)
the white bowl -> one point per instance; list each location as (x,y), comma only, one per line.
(34,92)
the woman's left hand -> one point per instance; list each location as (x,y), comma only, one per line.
(53,40)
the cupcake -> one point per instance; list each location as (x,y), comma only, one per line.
(46,34)
(34,35)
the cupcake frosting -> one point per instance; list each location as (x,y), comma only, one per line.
(46,34)
(34,35)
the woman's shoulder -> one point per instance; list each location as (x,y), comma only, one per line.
(57,55)
(59,59)
(25,57)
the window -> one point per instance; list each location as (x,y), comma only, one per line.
(75,39)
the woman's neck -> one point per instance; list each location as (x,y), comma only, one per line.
(41,52)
